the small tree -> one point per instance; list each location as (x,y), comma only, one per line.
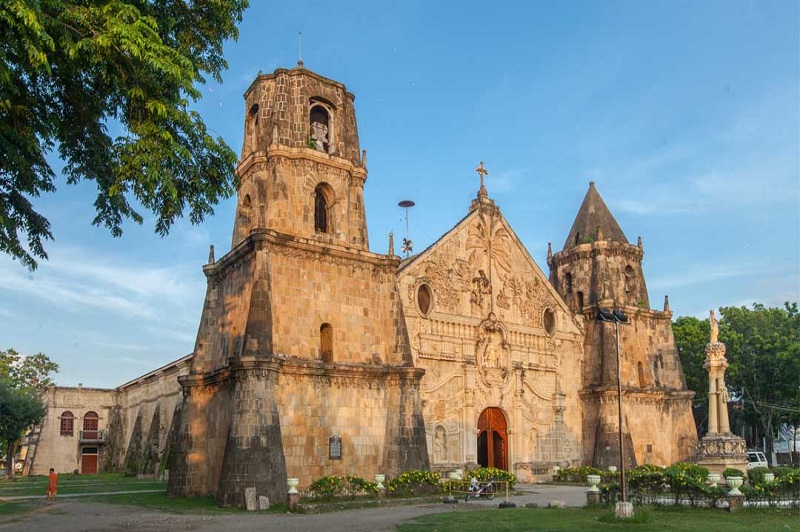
(23,381)
(19,409)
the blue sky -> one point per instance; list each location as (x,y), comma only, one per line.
(685,114)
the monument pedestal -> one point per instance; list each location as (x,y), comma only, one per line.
(717,452)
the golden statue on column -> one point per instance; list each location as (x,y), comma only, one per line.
(719,448)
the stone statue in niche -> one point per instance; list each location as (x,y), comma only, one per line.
(439,445)
(492,353)
(319,134)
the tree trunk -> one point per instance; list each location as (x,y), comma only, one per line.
(11,450)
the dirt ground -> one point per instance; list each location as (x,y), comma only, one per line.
(74,515)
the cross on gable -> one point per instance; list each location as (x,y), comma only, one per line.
(482,172)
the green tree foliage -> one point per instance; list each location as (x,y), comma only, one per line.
(32,371)
(19,409)
(23,380)
(691,337)
(763,352)
(71,71)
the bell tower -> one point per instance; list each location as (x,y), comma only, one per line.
(597,261)
(599,268)
(301,171)
(302,365)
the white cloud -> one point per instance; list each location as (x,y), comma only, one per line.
(749,162)
(76,278)
(696,274)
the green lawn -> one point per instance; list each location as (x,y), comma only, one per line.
(73,484)
(179,505)
(646,519)
(108,482)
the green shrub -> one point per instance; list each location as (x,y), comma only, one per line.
(756,475)
(485,474)
(334,486)
(733,472)
(714,494)
(686,480)
(646,482)
(782,471)
(414,482)
(577,474)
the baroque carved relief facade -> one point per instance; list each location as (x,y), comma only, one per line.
(498,344)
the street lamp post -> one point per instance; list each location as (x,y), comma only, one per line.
(616,317)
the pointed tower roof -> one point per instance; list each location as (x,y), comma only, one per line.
(593,214)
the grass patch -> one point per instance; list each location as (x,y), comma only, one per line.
(18,507)
(74,484)
(176,505)
(570,519)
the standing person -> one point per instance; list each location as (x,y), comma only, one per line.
(52,486)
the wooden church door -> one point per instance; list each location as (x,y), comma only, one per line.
(493,439)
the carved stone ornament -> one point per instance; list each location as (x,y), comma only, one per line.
(492,353)
(715,351)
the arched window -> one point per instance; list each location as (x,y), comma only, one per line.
(326,342)
(90,426)
(252,128)
(319,137)
(630,281)
(568,282)
(323,200)
(67,423)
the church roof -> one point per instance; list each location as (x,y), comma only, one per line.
(594,213)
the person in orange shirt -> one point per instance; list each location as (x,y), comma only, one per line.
(52,486)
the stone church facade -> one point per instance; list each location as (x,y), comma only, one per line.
(501,350)
(316,356)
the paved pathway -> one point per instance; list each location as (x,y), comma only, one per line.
(75,515)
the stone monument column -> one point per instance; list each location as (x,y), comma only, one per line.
(716,364)
(719,448)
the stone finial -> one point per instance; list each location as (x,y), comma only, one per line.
(211,254)
(364,159)
(549,252)
(391,244)
(666,303)
(599,232)
(639,243)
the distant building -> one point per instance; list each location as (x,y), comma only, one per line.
(95,429)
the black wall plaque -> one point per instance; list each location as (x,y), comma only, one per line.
(335,448)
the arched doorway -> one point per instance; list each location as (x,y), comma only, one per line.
(493,439)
